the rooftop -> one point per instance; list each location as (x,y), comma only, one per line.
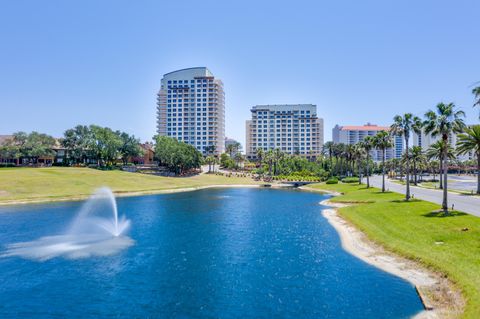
(366,127)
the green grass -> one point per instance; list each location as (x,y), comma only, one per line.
(30,184)
(414,229)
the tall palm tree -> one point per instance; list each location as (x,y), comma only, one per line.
(269,158)
(338,154)
(476,93)
(418,158)
(403,126)
(436,151)
(358,155)
(328,149)
(210,160)
(367,144)
(350,158)
(382,141)
(277,156)
(259,153)
(443,122)
(470,142)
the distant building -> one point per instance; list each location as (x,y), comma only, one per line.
(351,135)
(292,128)
(147,158)
(191,108)
(58,156)
(231,141)
(426,140)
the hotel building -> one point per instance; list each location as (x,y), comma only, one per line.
(292,128)
(351,135)
(191,108)
(426,140)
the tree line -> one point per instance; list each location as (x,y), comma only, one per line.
(83,145)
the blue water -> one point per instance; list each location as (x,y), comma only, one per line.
(234,253)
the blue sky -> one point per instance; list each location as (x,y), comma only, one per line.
(64,63)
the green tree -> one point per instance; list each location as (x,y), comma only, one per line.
(358,155)
(476,93)
(76,141)
(403,126)
(210,160)
(328,149)
(383,141)
(436,151)
(105,145)
(130,146)
(417,158)
(443,122)
(470,142)
(368,144)
(259,154)
(233,148)
(176,156)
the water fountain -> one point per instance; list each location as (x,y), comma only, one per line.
(96,231)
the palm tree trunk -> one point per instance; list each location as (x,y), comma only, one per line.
(445,188)
(407,173)
(440,174)
(415,173)
(478,172)
(359,172)
(368,177)
(383,170)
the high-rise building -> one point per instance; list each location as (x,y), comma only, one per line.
(426,140)
(351,135)
(294,129)
(191,108)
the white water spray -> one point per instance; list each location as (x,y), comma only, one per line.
(96,231)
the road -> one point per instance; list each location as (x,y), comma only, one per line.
(464,203)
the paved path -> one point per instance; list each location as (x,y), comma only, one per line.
(464,203)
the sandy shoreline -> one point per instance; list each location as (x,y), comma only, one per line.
(440,298)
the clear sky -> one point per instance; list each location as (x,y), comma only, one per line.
(64,63)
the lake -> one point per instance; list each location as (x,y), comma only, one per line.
(216,253)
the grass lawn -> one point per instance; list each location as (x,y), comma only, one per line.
(18,184)
(413,229)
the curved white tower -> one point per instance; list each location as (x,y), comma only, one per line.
(191,108)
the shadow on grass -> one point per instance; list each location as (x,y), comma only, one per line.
(441,214)
(469,194)
(403,201)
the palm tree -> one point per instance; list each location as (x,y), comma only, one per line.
(476,93)
(367,144)
(348,153)
(443,122)
(338,154)
(358,154)
(277,156)
(269,158)
(328,149)
(470,142)
(435,151)
(210,160)
(382,141)
(418,158)
(259,152)
(403,126)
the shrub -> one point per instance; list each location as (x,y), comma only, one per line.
(7,165)
(332,181)
(350,180)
